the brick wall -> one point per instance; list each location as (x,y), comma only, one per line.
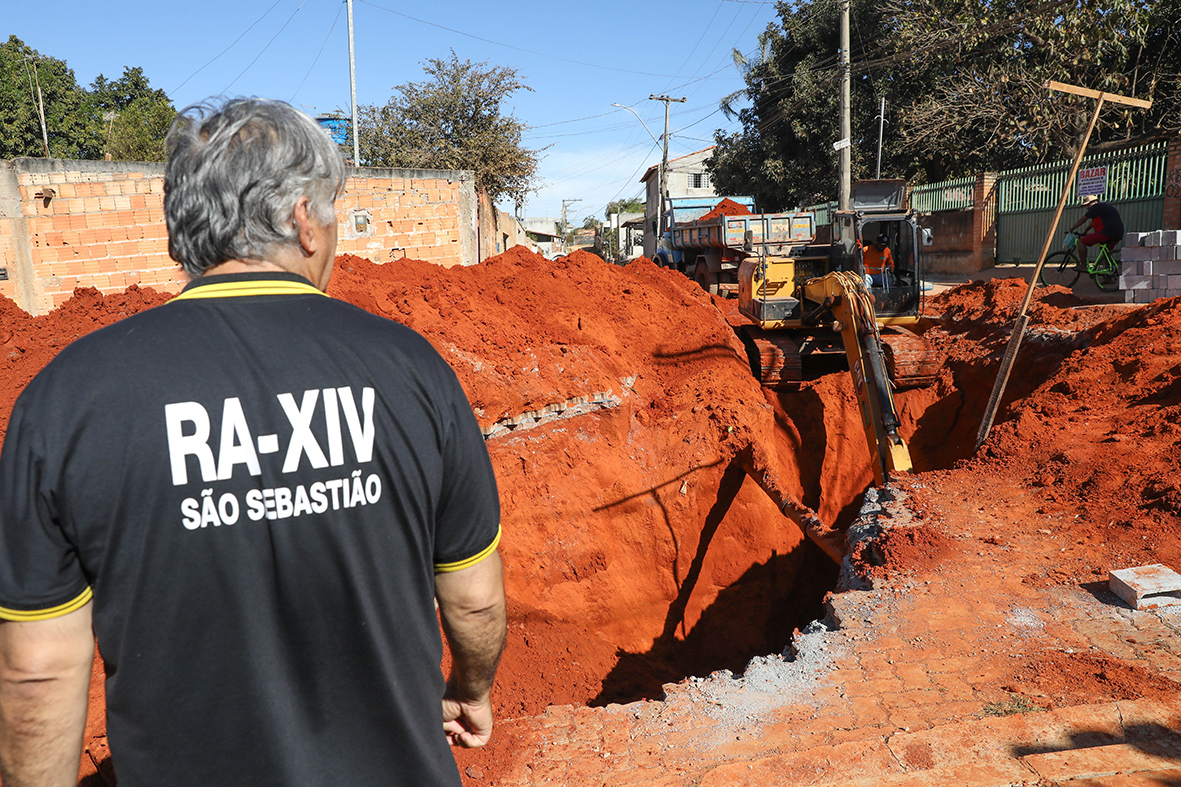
(67,224)
(390,214)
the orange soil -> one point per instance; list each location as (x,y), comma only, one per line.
(636,550)
(726,207)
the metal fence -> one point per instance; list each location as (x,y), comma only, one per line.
(823,212)
(1027,198)
(946,195)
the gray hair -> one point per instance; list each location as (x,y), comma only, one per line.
(234,174)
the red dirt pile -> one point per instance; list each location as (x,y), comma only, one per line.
(726,207)
(1088,430)
(636,549)
(604,512)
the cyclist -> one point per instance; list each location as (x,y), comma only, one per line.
(1106,227)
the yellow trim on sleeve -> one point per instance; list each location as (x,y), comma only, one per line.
(236,289)
(446,568)
(29,615)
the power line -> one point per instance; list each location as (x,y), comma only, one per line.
(575,120)
(264,49)
(227,49)
(513,46)
(317,60)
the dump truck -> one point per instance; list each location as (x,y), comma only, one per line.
(810,297)
(710,250)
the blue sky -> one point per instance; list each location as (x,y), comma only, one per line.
(578,58)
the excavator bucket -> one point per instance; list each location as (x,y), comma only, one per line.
(910,360)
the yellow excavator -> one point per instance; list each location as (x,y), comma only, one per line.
(811,297)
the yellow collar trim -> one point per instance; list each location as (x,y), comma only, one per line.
(237,289)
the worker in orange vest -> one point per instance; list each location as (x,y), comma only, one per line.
(877,259)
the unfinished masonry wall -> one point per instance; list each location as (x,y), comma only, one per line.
(67,224)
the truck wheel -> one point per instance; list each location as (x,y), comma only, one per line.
(706,278)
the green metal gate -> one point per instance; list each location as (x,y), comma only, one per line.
(1027,199)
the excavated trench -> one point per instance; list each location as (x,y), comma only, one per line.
(634,453)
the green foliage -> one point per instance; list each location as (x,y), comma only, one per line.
(142,116)
(453,121)
(74,116)
(624,206)
(70,132)
(964,87)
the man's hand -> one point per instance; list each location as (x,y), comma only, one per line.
(467,724)
(44,680)
(472,610)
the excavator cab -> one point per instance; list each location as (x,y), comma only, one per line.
(778,291)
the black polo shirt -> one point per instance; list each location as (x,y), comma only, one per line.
(256,484)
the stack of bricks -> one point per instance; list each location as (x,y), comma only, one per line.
(1151,266)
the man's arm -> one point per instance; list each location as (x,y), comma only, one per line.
(44,680)
(472,608)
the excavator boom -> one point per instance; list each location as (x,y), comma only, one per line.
(848,306)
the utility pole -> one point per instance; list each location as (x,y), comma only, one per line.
(40,103)
(353,89)
(881,130)
(565,225)
(664,161)
(845,187)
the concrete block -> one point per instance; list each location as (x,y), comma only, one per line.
(1144,296)
(1133,239)
(1174,282)
(1170,237)
(1166,267)
(1152,238)
(1134,253)
(1129,295)
(1147,587)
(1127,282)
(1146,267)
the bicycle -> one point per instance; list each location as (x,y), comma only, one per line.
(1064,268)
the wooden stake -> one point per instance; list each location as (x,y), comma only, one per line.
(1010,356)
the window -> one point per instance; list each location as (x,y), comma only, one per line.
(698,180)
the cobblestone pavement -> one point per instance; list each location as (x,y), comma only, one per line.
(959,675)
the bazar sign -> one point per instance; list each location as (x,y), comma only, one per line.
(1092,180)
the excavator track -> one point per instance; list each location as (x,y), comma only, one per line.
(778,363)
(910,360)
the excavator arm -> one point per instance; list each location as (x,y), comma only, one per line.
(846,304)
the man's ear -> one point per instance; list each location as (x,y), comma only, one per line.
(303,225)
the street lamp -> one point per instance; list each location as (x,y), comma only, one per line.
(663,164)
(642,123)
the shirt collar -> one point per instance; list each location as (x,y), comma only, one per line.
(236,285)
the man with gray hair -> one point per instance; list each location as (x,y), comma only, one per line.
(253,496)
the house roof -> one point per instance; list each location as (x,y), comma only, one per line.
(656,167)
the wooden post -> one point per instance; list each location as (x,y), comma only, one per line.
(1006,368)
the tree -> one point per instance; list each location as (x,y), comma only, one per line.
(964,87)
(75,117)
(990,108)
(70,132)
(135,117)
(623,206)
(453,121)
